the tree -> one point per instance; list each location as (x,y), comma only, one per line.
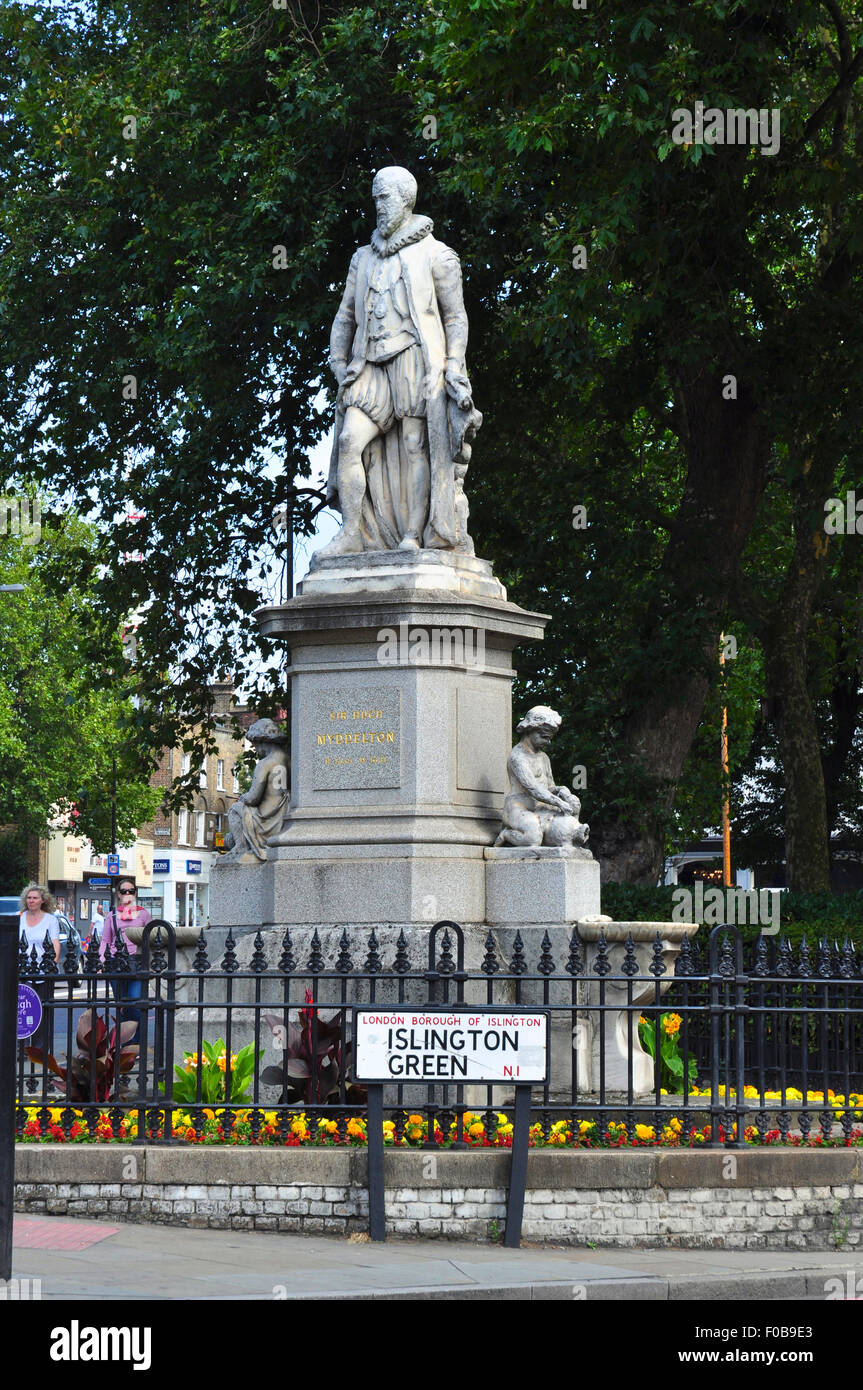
(65,705)
(198,187)
(722,288)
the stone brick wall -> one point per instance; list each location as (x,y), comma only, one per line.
(795,1200)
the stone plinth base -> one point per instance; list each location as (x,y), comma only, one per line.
(401,675)
(419,572)
(540,885)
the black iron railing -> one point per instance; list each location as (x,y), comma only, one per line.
(771,1036)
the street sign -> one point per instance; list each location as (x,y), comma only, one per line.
(99,882)
(462,1044)
(29,1011)
(445,1045)
(113,865)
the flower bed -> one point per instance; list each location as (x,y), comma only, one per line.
(267,1127)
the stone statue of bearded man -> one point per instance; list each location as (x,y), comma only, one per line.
(404,415)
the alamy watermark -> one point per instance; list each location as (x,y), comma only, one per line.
(727,906)
(21,516)
(731,126)
(20,1290)
(843,516)
(431,646)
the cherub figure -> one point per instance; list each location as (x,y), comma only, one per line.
(536,811)
(260,811)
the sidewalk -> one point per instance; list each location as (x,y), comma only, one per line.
(78,1259)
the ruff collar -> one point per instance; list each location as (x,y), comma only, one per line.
(413,230)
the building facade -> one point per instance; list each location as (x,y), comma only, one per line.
(186,842)
(173,855)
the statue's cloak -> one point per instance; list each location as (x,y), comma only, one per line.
(431,275)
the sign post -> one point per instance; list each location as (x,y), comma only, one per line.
(8,1048)
(450,1045)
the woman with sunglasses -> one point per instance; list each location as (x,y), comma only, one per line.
(126,914)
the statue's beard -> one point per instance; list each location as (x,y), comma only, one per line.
(386,227)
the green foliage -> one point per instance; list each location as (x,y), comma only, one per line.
(13,861)
(816,916)
(212,1067)
(664,1028)
(65,697)
(155,259)
(636,902)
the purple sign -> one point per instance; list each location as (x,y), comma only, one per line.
(29,1011)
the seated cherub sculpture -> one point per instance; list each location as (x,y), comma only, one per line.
(260,811)
(536,811)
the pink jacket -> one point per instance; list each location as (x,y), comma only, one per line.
(114,929)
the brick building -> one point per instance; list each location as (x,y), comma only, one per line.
(172,856)
(185,842)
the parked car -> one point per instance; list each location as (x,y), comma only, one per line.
(67,931)
(9,907)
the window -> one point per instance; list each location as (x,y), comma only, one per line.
(202,780)
(182,827)
(220,774)
(200,828)
(185,763)
(236,783)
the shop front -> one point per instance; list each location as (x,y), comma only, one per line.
(181,888)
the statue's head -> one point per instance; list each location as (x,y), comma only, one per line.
(541,723)
(395,191)
(265,731)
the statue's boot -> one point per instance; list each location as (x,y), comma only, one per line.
(345,543)
(409,541)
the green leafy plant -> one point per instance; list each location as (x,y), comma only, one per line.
(671,1068)
(213,1065)
(101,1063)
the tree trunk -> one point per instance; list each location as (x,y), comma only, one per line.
(727,454)
(807,839)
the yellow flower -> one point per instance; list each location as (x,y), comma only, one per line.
(299,1128)
(645,1132)
(557,1137)
(468,1118)
(586,1126)
(675,1124)
(415,1119)
(477,1130)
(389,1127)
(672,1024)
(502,1119)
(191,1061)
(413,1132)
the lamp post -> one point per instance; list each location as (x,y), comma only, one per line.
(723,753)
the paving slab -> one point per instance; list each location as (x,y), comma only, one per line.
(122,1260)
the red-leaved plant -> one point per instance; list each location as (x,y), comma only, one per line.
(312,1058)
(89,1074)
